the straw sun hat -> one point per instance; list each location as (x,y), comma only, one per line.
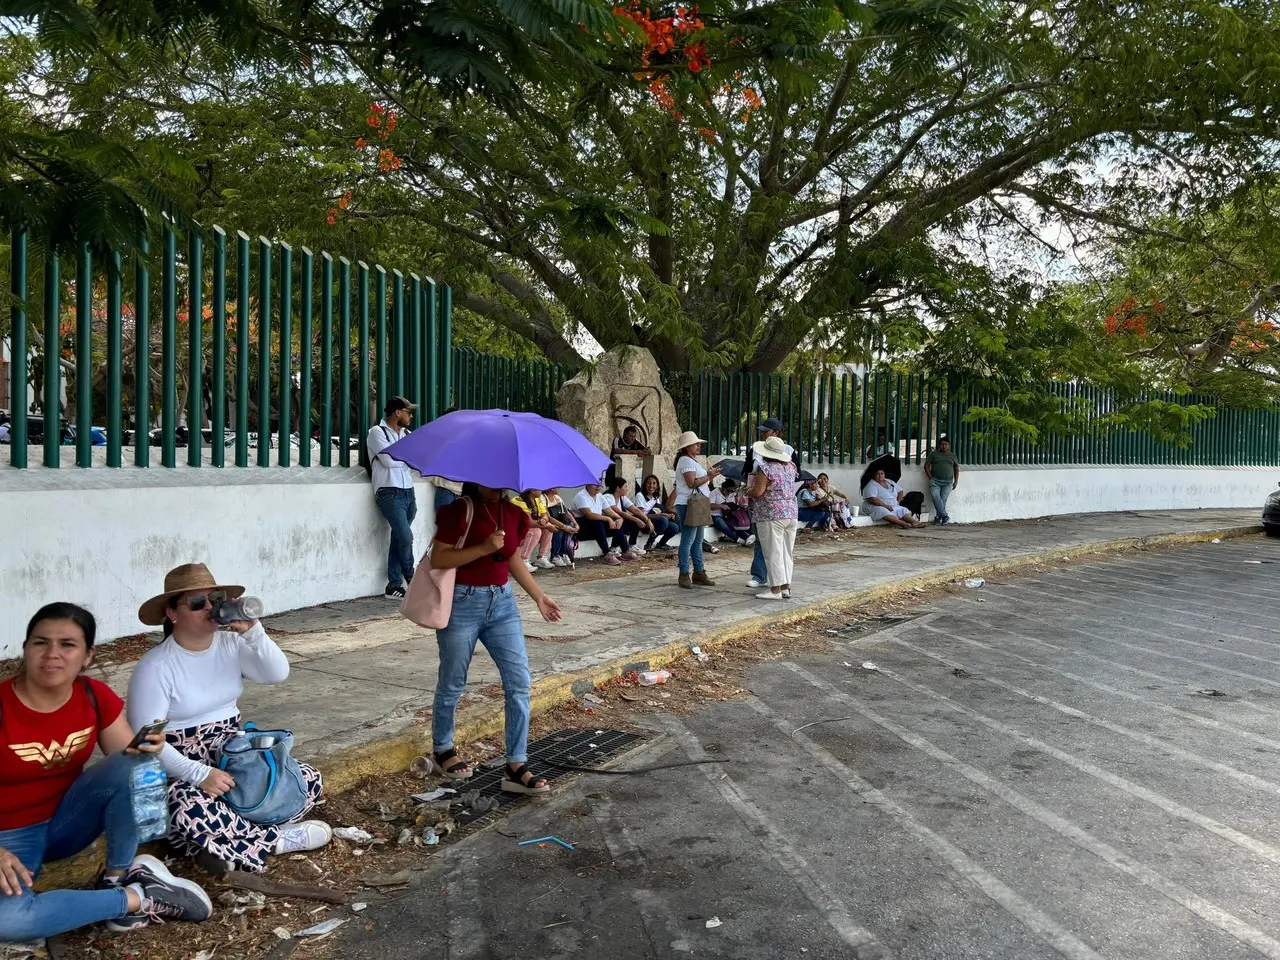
(688,439)
(184,579)
(771,449)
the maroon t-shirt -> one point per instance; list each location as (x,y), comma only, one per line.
(485,572)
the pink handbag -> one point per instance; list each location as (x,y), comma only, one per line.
(429,600)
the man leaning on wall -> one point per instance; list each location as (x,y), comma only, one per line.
(393,490)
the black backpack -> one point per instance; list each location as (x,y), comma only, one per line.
(363,455)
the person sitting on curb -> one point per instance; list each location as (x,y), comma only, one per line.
(652,500)
(725,509)
(604,529)
(536,549)
(634,521)
(194,679)
(837,502)
(812,507)
(52,805)
(565,527)
(883,500)
(944,476)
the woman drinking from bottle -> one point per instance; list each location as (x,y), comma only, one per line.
(490,529)
(194,679)
(52,807)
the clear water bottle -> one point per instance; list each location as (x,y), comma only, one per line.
(150,799)
(241,608)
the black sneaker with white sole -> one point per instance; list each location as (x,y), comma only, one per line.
(394,592)
(165,898)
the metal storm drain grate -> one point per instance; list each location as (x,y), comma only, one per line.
(576,748)
(871,624)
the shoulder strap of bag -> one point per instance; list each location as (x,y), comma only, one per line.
(462,542)
(93,699)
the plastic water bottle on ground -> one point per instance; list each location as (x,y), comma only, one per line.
(651,677)
(150,790)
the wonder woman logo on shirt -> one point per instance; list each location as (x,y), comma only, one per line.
(55,754)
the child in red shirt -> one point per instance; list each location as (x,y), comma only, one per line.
(51,807)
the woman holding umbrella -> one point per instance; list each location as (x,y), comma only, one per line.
(479,536)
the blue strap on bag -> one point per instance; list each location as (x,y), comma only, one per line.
(270,787)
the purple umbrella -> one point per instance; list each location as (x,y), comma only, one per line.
(503,450)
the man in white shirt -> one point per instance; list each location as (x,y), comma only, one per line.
(393,489)
(599,524)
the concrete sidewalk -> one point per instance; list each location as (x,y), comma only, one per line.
(359,695)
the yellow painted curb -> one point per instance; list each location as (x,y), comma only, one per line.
(392,754)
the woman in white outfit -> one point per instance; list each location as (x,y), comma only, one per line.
(883,500)
(774,512)
(193,679)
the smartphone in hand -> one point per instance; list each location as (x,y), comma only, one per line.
(141,736)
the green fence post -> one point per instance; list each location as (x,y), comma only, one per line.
(142,354)
(169,349)
(264,352)
(51,405)
(18,354)
(446,345)
(243,268)
(285,401)
(861,445)
(397,334)
(306,354)
(344,362)
(115,358)
(84,357)
(415,348)
(380,345)
(195,349)
(326,359)
(363,414)
(218,387)
(431,349)
(821,423)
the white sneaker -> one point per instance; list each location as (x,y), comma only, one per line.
(307,835)
(753,582)
(639,551)
(751,540)
(531,566)
(786,594)
(769,595)
(542,563)
(557,561)
(616,551)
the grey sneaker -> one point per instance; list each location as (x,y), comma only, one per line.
(165,898)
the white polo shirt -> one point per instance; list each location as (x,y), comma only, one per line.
(387,471)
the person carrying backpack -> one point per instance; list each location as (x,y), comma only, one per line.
(393,489)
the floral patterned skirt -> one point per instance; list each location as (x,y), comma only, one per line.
(198,821)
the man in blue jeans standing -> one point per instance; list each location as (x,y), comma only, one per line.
(393,489)
(943,471)
(768,428)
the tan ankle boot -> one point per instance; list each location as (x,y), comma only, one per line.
(702,580)
(685,581)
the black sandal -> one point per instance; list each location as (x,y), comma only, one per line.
(458,770)
(521,780)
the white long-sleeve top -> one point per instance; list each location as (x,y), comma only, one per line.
(190,688)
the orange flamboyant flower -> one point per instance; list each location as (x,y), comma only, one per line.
(333,216)
(696,54)
(361,143)
(662,35)
(344,200)
(391,120)
(708,134)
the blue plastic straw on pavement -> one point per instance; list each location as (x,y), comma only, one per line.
(567,846)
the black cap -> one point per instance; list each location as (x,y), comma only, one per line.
(772,423)
(398,403)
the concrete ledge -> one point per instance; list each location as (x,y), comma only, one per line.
(391,753)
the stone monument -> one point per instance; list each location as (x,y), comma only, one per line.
(623,389)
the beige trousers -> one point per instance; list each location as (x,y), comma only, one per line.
(778,541)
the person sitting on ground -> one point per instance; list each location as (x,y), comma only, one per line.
(600,526)
(813,509)
(52,805)
(651,498)
(536,549)
(837,501)
(193,679)
(565,529)
(882,498)
(725,510)
(634,520)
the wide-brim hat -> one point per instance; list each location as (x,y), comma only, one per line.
(688,439)
(179,580)
(771,449)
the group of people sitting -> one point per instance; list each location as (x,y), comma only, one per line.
(53,805)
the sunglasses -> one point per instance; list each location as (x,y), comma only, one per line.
(201,600)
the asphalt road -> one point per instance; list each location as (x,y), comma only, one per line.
(1082,764)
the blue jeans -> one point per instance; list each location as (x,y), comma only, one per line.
(399,506)
(940,493)
(690,544)
(759,570)
(602,534)
(810,517)
(444,496)
(487,614)
(99,802)
(663,530)
(562,544)
(722,525)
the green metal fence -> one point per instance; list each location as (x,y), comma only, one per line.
(246,352)
(838,418)
(486,382)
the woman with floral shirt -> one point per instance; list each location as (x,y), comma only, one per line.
(774,511)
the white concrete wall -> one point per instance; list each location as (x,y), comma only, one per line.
(294,538)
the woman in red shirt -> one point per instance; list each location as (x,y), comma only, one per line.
(484,609)
(51,807)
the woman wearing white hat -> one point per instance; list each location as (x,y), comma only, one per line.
(774,511)
(692,480)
